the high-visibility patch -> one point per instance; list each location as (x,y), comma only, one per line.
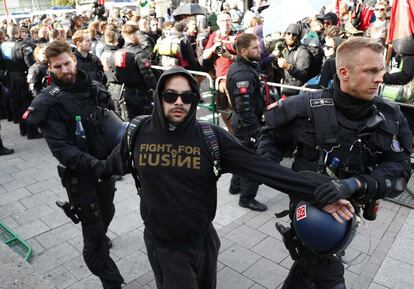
(27,112)
(301,213)
(120,58)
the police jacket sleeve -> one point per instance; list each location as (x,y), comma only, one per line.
(242,161)
(143,61)
(389,178)
(404,76)
(242,91)
(62,147)
(300,69)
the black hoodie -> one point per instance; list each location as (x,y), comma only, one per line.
(178,186)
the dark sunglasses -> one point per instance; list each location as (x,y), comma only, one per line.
(293,34)
(379,9)
(172,96)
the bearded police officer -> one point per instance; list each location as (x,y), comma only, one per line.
(349,133)
(243,84)
(71,116)
(132,68)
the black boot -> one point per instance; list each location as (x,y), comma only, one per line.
(3,150)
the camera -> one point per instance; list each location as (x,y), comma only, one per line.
(220,49)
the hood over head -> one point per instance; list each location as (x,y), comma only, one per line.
(158,112)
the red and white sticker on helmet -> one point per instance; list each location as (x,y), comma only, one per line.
(301,213)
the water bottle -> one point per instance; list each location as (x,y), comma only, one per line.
(331,169)
(371,209)
(80,136)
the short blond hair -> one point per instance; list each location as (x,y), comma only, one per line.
(78,36)
(346,52)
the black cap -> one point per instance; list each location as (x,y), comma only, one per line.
(293,28)
(330,16)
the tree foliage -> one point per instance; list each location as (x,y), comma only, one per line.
(63,3)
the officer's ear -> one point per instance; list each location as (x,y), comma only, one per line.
(343,73)
(74,59)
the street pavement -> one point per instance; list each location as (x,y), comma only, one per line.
(252,254)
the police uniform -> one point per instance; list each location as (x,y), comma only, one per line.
(113,84)
(132,68)
(17,55)
(336,134)
(91,198)
(38,78)
(243,84)
(91,65)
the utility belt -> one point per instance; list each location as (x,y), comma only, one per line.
(76,210)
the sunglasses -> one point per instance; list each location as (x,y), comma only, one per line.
(187,97)
(379,9)
(289,33)
(327,22)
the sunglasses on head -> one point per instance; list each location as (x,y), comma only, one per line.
(187,97)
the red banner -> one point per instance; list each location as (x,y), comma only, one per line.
(401,28)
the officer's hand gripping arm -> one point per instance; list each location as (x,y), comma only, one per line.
(335,190)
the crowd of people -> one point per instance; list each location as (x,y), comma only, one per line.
(61,77)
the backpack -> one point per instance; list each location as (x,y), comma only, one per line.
(209,138)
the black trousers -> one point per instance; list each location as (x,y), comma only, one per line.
(240,185)
(94,227)
(312,271)
(185,267)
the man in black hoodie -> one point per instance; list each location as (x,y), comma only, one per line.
(178,179)
(348,133)
(68,115)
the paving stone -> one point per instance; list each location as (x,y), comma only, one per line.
(225,244)
(126,206)
(14,208)
(238,258)
(245,236)
(56,219)
(376,286)
(257,286)
(407,229)
(33,214)
(77,242)
(58,235)
(228,213)
(402,249)
(270,229)
(224,197)
(272,249)
(133,265)
(18,184)
(125,224)
(258,221)
(77,268)
(287,262)
(363,282)
(128,243)
(145,278)
(230,279)
(13,196)
(36,247)
(60,277)
(54,257)
(394,274)
(10,222)
(267,274)
(37,199)
(350,279)
(91,282)
(220,266)
(31,229)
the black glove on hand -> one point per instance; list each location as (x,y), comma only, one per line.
(100,168)
(335,190)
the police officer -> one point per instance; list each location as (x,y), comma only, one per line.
(17,54)
(87,61)
(37,76)
(132,68)
(243,83)
(348,133)
(70,115)
(108,60)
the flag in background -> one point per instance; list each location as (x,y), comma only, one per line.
(401,28)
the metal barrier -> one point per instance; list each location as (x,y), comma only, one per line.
(209,94)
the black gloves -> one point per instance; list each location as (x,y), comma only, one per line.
(101,169)
(335,190)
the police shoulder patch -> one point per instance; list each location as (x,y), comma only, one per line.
(301,213)
(395,145)
(241,84)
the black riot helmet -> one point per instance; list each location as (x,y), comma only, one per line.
(320,231)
